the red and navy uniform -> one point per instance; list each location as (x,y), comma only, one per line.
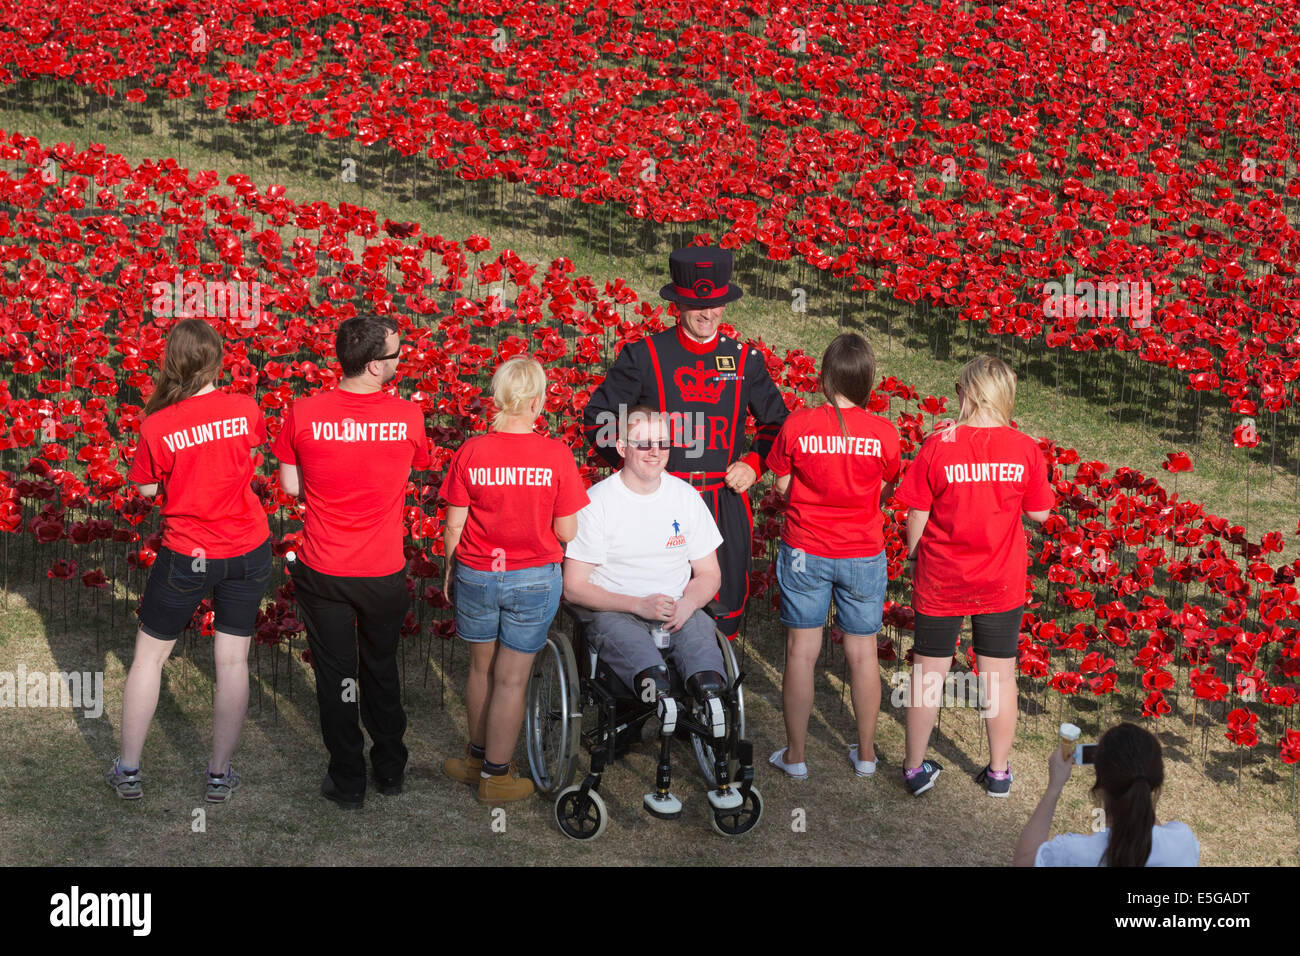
(706,390)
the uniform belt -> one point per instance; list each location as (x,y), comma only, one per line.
(702,481)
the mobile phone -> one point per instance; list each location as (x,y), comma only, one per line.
(1083,754)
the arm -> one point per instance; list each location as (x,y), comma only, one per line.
(1038,517)
(566,528)
(782,485)
(1039,826)
(706,577)
(887,492)
(579,589)
(291,479)
(623,386)
(452,527)
(768,408)
(150,490)
(916,522)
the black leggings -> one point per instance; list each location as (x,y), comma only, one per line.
(996,635)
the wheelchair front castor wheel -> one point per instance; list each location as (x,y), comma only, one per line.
(581,816)
(742,819)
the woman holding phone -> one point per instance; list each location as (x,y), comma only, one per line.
(512,497)
(1130,777)
(835,463)
(197,447)
(967,489)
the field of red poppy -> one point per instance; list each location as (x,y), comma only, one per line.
(934,177)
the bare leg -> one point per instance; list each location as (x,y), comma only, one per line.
(478,689)
(802,647)
(231,704)
(998,675)
(505,713)
(864,686)
(926,695)
(140,695)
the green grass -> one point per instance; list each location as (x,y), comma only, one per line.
(53,799)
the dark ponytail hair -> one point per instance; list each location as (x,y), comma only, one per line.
(848,371)
(192,361)
(1129,770)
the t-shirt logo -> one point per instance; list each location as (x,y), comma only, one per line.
(678,539)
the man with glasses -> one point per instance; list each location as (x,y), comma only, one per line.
(348,452)
(707,383)
(645,560)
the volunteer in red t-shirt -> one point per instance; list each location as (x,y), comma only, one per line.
(197,445)
(966,490)
(833,462)
(512,497)
(349,452)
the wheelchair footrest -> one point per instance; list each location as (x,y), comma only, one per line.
(664,806)
(727,799)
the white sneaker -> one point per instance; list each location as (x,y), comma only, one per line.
(797,770)
(863,768)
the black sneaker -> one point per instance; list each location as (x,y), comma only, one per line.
(995,784)
(389,786)
(924,778)
(347,801)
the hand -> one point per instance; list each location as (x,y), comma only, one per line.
(740,476)
(655,607)
(1058,769)
(683,608)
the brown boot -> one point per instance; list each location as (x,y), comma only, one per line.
(465,769)
(505,788)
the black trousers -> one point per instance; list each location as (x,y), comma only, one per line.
(735,555)
(349,619)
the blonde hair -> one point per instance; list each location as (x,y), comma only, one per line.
(987,384)
(191,361)
(516,383)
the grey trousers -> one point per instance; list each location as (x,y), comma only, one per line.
(624,643)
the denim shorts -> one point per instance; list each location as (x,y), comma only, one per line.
(513,607)
(808,583)
(178,582)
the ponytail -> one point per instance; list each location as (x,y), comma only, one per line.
(191,362)
(1129,771)
(848,371)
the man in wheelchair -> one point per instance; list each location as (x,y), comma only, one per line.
(644,561)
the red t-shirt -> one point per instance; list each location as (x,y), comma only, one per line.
(356,453)
(515,486)
(201,450)
(975,482)
(835,483)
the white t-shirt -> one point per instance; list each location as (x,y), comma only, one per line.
(1172,844)
(643,544)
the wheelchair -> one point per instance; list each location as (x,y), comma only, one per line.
(592,709)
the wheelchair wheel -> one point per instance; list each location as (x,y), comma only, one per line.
(553,719)
(741,820)
(581,816)
(704,755)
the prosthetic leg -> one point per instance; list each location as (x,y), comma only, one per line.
(704,687)
(661,803)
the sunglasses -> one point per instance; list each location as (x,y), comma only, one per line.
(393,355)
(664,445)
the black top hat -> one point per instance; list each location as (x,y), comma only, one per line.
(701,278)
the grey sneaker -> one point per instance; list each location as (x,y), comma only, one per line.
(221,785)
(126,785)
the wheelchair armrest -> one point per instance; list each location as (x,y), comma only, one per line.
(715,609)
(580,615)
